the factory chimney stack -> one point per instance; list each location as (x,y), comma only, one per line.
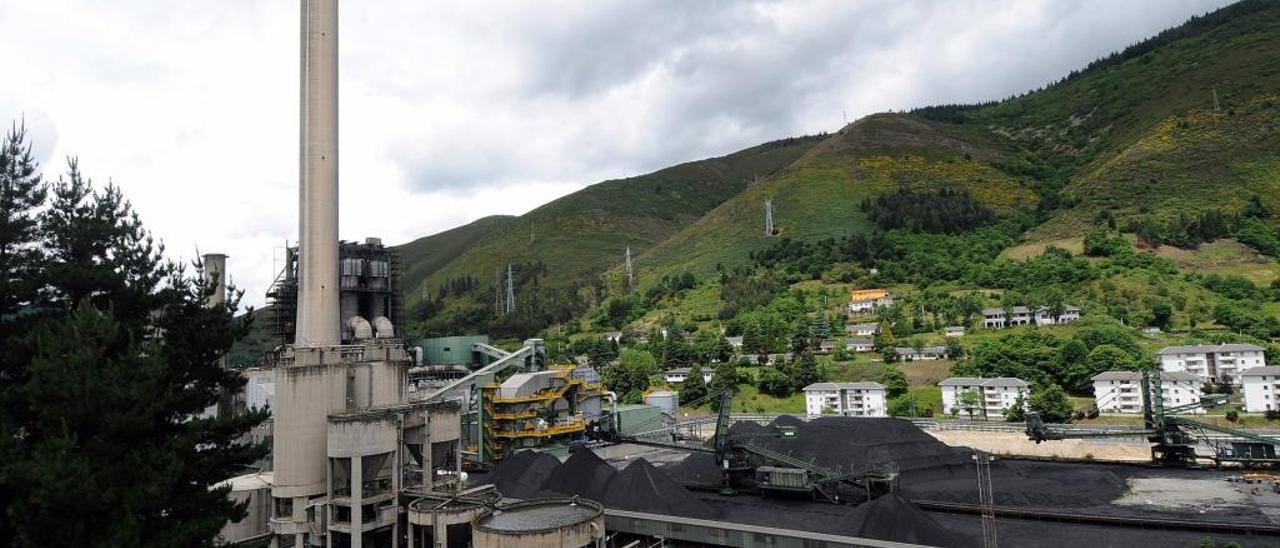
(318,321)
(215,272)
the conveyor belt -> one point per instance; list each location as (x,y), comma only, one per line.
(1160,522)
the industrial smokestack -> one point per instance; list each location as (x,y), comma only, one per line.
(215,272)
(318,322)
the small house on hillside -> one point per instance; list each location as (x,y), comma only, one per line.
(862,329)
(922,353)
(860,344)
(864,301)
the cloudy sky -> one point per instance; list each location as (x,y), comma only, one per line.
(451,111)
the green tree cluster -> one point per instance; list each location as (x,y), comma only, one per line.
(111,354)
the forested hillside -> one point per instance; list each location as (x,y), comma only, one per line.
(1141,189)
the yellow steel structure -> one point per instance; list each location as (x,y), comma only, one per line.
(528,420)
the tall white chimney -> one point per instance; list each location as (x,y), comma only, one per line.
(318,322)
(215,271)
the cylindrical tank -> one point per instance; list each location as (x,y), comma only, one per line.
(539,523)
(452,517)
(665,400)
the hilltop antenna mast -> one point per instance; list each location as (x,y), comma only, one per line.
(511,291)
(631,273)
(768,217)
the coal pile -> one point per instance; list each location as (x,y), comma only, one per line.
(894,518)
(522,475)
(583,474)
(854,444)
(928,468)
(642,488)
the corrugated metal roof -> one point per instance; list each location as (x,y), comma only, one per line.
(844,386)
(1137,375)
(1207,348)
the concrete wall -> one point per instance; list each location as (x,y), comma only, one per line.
(305,396)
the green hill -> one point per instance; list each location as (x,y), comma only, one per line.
(1133,134)
(424,256)
(820,195)
(567,243)
(1135,138)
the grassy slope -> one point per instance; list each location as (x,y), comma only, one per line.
(1112,133)
(424,256)
(1142,136)
(587,231)
(819,196)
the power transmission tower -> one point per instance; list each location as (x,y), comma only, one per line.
(1217,108)
(530,233)
(768,217)
(511,291)
(986,498)
(631,273)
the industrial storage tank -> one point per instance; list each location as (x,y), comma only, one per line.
(540,523)
(665,400)
(451,515)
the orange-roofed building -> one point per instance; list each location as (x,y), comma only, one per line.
(863,301)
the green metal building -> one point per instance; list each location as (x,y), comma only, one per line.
(450,350)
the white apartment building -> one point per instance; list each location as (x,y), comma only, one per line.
(999,318)
(997,394)
(1261,389)
(850,399)
(1121,391)
(1222,362)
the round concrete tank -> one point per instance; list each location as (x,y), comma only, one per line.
(665,400)
(451,516)
(540,523)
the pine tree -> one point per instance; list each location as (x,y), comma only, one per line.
(694,387)
(21,194)
(106,380)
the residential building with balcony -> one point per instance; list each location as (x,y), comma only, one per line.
(1261,389)
(997,394)
(1221,362)
(1121,391)
(850,399)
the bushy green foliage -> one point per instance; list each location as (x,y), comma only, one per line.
(630,377)
(895,382)
(1018,411)
(774,382)
(1051,402)
(1101,242)
(694,387)
(1042,358)
(942,211)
